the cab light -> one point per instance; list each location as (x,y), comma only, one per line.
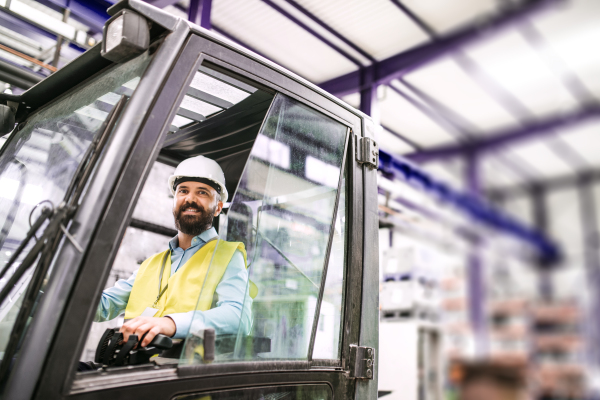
(125,35)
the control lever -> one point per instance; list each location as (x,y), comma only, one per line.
(112,351)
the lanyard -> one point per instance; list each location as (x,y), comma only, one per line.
(162,270)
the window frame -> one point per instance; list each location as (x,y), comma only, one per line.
(58,381)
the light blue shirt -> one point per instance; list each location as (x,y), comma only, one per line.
(233,305)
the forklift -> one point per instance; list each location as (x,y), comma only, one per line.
(80,176)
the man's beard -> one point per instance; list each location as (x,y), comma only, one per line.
(193,224)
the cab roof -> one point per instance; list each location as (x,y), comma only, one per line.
(91,62)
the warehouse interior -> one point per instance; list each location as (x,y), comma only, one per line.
(488,123)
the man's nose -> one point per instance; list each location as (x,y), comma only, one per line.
(190,198)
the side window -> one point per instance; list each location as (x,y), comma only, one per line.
(284,212)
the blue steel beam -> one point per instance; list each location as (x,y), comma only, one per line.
(368,95)
(476,281)
(499,139)
(518,109)
(466,130)
(511,103)
(564,182)
(396,66)
(403,169)
(199,13)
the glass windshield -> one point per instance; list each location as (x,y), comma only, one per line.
(283,219)
(40,159)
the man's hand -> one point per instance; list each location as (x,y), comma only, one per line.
(140,325)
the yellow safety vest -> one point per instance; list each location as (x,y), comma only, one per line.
(183,293)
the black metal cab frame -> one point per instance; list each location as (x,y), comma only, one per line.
(46,364)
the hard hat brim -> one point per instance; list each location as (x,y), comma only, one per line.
(173,178)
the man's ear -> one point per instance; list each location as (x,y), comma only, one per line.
(219,208)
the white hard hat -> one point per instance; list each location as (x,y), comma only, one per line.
(200,168)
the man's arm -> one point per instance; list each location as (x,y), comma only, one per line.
(233,307)
(114,300)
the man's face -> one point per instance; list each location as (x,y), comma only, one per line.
(194,206)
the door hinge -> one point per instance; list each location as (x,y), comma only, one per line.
(362,362)
(367,152)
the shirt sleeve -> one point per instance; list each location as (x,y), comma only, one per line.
(233,308)
(114,300)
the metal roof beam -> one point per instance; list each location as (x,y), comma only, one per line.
(558,183)
(396,66)
(89,12)
(494,141)
(415,18)
(402,137)
(329,29)
(316,34)
(18,76)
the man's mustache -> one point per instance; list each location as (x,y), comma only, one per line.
(190,205)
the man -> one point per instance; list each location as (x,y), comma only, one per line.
(174,287)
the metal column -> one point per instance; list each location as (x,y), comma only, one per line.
(591,239)
(368,95)
(540,219)
(60,39)
(199,12)
(475,279)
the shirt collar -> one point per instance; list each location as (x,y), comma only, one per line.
(197,240)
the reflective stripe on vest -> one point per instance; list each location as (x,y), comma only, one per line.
(185,284)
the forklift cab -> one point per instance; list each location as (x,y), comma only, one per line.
(83,178)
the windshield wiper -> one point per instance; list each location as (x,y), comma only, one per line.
(51,237)
(46,213)
(84,169)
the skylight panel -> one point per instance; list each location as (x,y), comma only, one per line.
(180,121)
(196,109)
(92,113)
(218,89)
(209,93)
(110,98)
